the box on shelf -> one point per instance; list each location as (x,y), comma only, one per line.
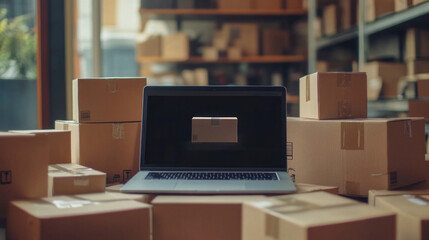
(149,47)
(275,42)
(175,47)
(112,148)
(220,41)
(24,163)
(423,87)
(107,99)
(412,221)
(68,179)
(418,108)
(86,217)
(389,73)
(62,124)
(235,4)
(191,217)
(234,53)
(330,19)
(416,46)
(417,67)
(401,5)
(374,195)
(316,215)
(357,154)
(210,54)
(244,36)
(59,144)
(333,95)
(267,4)
(295,4)
(377,8)
(348,14)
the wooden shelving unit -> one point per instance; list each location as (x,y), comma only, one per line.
(281,12)
(253,59)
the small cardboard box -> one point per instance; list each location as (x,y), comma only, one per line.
(275,42)
(374,195)
(418,108)
(333,96)
(234,53)
(316,215)
(24,163)
(86,217)
(175,47)
(244,36)
(62,124)
(417,67)
(107,99)
(112,148)
(59,144)
(68,179)
(191,217)
(416,46)
(330,19)
(357,155)
(210,54)
(423,87)
(389,73)
(214,130)
(412,214)
(149,47)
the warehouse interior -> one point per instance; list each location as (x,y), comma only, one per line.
(356,74)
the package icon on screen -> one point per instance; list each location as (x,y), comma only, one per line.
(214,130)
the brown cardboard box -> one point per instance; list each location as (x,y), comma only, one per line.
(234,53)
(191,217)
(418,108)
(389,73)
(267,4)
(59,144)
(112,148)
(235,4)
(24,162)
(210,54)
(330,19)
(374,195)
(401,5)
(108,99)
(423,87)
(307,188)
(85,217)
(357,155)
(220,42)
(244,36)
(214,130)
(348,14)
(62,124)
(68,179)
(412,214)
(294,4)
(175,47)
(416,46)
(377,8)
(275,42)
(333,95)
(316,215)
(150,47)
(417,67)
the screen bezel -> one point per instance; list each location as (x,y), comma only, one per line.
(211,91)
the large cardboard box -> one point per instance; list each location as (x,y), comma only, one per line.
(150,47)
(62,124)
(275,42)
(24,160)
(357,155)
(374,195)
(244,36)
(412,221)
(333,95)
(175,47)
(68,179)
(112,148)
(196,217)
(389,73)
(423,88)
(86,217)
(330,19)
(418,108)
(377,8)
(59,144)
(108,99)
(315,216)
(417,67)
(416,45)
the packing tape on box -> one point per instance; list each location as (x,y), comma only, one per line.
(112,85)
(352,136)
(307,88)
(80,178)
(344,109)
(408,129)
(118,131)
(344,79)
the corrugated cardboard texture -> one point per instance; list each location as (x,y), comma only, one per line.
(389,73)
(101,100)
(23,167)
(418,108)
(380,154)
(113,148)
(214,130)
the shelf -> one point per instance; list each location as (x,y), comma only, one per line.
(340,37)
(253,59)
(223,12)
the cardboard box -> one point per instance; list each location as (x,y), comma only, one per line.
(191,217)
(401,5)
(214,130)
(374,195)
(210,54)
(86,217)
(244,36)
(307,188)
(275,42)
(62,124)
(357,155)
(24,163)
(150,47)
(417,67)
(112,148)
(389,73)
(418,108)
(348,14)
(59,144)
(333,95)
(68,179)
(412,214)
(330,19)
(378,8)
(235,4)
(98,100)
(220,42)
(175,47)
(315,216)
(423,87)
(234,53)
(416,46)
(267,4)
(294,4)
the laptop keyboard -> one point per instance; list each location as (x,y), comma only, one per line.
(211,176)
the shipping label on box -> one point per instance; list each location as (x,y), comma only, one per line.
(112,148)
(99,100)
(357,155)
(214,130)
(333,96)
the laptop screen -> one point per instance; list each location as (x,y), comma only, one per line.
(212,127)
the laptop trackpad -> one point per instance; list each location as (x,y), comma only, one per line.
(210,185)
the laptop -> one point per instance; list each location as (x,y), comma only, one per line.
(213,139)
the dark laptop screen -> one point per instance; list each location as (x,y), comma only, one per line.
(214,127)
